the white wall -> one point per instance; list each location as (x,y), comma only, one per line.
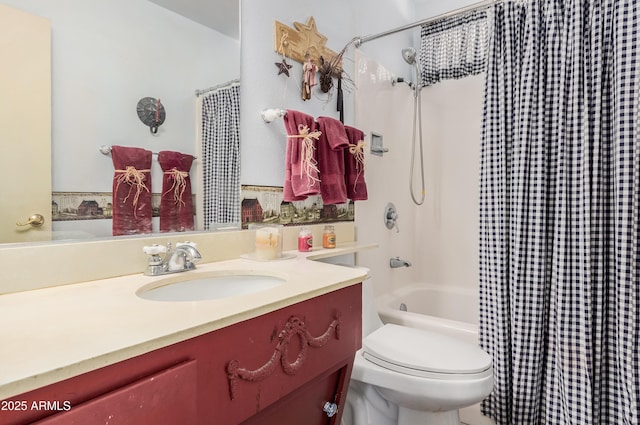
(94,102)
(439,237)
(447,225)
(381,108)
(106,56)
(263,145)
(386,110)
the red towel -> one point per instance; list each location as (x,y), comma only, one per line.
(300,172)
(131,190)
(176,203)
(354,165)
(331,147)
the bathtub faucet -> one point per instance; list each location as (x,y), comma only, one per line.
(396,262)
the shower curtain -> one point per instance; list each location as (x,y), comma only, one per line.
(560,213)
(454,47)
(220,135)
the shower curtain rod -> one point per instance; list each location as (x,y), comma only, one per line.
(358,41)
(219,86)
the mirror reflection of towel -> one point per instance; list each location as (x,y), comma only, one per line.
(176,203)
(131,190)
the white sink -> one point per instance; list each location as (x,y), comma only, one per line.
(208,286)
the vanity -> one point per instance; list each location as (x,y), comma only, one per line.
(99,352)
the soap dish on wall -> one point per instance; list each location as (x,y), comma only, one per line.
(377,146)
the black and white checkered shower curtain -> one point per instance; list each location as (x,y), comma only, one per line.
(560,213)
(221,155)
(454,47)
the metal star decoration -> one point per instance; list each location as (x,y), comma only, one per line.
(283,67)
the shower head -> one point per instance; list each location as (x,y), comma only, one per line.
(409,55)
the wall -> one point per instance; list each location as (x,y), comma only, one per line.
(439,237)
(106,55)
(386,110)
(446,249)
(263,145)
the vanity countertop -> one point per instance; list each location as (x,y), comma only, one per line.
(52,334)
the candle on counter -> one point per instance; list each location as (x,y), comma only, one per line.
(268,243)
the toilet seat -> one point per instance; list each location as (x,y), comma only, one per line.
(422,353)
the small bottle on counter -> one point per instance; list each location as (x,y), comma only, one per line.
(329,237)
(305,240)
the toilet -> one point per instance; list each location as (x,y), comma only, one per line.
(409,376)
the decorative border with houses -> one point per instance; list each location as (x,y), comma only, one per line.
(259,204)
(265,204)
(70,206)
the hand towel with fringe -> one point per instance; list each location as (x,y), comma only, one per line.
(301,173)
(176,203)
(131,190)
(331,145)
(354,165)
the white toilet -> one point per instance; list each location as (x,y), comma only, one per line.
(409,376)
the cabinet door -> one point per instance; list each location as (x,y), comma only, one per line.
(304,406)
(166,398)
(263,362)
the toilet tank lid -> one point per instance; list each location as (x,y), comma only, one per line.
(425,350)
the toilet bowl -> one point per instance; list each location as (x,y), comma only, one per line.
(422,375)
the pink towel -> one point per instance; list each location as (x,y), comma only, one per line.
(331,147)
(354,165)
(300,173)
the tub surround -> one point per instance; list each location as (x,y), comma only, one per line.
(56,333)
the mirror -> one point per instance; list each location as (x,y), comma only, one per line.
(105,57)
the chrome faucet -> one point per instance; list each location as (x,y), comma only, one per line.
(396,262)
(181,259)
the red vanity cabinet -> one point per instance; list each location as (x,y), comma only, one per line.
(278,368)
(164,397)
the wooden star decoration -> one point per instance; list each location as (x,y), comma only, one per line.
(309,34)
(283,67)
(302,42)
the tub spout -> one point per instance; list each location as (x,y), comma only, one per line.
(396,262)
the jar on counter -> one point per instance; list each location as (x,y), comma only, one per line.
(305,240)
(329,237)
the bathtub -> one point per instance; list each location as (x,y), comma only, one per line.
(452,311)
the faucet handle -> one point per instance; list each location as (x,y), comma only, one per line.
(154,249)
(391,217)
(155,260)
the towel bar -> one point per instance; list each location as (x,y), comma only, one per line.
(106,150)
(270,115)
